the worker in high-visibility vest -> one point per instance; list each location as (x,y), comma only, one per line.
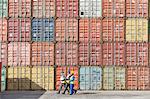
(67,82)
(62,82)
(72,78)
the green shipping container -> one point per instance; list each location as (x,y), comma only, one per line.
(3,8)
(114,78)
(3,79)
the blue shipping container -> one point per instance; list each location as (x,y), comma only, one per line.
(43,29)
(90,78)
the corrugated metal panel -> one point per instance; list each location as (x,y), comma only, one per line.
(18,78)
(3,53)
(90,8)
(90,29)
(113,53)
(113,8)
(136,30)
(42,29)
(19,29)
(42,78)
(138,78)
(113,29)
(120,77)
(108,78)
(66,29)
(65,69)
(67,8)
(137,8)
(90,78)
(19,8)
(3,30)
(43,8)
(3,8)
(19,54)
(66,53)
(42,54)
(137,54)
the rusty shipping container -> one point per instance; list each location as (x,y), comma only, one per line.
(113,8)
(113,54)
(138,78)
(90,29)
(66,53)
(113,30)
(42,54)
(3,30)
(3,53)
(19,8)
(19,29)
(90,54)
(65,69)
(137,54)
(66,29)
(137,8)
(67,8)
(18,54)
(43,8)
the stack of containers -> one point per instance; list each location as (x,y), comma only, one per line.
(90,47)
(113,47)
(66,33)
(137,45)
(3,40)
(19,30)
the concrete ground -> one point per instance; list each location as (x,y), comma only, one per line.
(79,95)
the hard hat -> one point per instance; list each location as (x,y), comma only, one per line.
(72,72)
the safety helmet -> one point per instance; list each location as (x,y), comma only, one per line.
(72,72)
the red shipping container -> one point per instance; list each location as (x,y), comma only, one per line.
(42,54)
(19,29)
(137,54)
(43,8)
(66,29)
(137,8)
(113,8)
(3,30)
(19,8)
(66,53)
(65,69)
(113,30)
(113,54)
(3,53)
(67,8)
(90,54)
(90,30)
(138,78)
(18,54)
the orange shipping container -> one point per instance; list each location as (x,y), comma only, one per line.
(42,54)
(18,54)
(113,29)
(66,53)
(90,29)
(65,69)
(138,78)
(66,29)
(3,30)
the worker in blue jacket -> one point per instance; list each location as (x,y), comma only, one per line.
(72,78)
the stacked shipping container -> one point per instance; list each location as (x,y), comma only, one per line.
(105,42)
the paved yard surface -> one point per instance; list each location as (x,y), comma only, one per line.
(79,95)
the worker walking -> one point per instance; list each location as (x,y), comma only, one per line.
(62,82)
(67,82)
(72,78)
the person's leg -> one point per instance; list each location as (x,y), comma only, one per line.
(60,88)
(66,88)
(71,89)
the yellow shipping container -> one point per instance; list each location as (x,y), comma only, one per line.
(18,78)
(42,78)
(136,30)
